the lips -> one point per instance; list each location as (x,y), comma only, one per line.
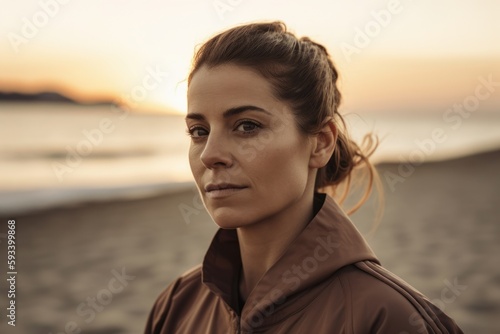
(222,190)
(222,186)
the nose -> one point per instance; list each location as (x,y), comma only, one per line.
(216,153)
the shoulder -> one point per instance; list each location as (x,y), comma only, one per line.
(188,281)
(361,286)
(383,303)
(373,303)
(178,293)
(190,278)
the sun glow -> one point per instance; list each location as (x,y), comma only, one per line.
(172,96)
(110,57)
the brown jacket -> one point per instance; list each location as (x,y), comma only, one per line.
(327,281)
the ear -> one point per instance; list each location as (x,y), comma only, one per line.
(323,145)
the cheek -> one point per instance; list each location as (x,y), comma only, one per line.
(282,164)
(194,161)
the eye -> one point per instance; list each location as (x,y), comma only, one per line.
(197,132)
(248,126)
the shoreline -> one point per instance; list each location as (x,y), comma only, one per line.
(40,200)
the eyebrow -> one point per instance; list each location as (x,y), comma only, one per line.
(229,112)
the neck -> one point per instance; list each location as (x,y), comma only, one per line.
(262,244)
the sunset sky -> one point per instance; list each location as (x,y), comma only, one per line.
(392,55)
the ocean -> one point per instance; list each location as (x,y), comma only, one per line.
(56,153)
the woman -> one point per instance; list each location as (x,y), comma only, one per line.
(266,138)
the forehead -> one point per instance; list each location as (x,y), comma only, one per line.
(228,84)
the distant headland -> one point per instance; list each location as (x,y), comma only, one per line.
(47,96)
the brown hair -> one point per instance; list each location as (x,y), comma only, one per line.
(303,74)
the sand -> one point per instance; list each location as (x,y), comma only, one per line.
(441,227)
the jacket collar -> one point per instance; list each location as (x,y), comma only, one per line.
(329,242)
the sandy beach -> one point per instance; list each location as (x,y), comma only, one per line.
(99,266)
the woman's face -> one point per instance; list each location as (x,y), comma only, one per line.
(248,157)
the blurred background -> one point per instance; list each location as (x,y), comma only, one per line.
(93,150)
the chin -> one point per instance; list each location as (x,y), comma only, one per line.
(229,218)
